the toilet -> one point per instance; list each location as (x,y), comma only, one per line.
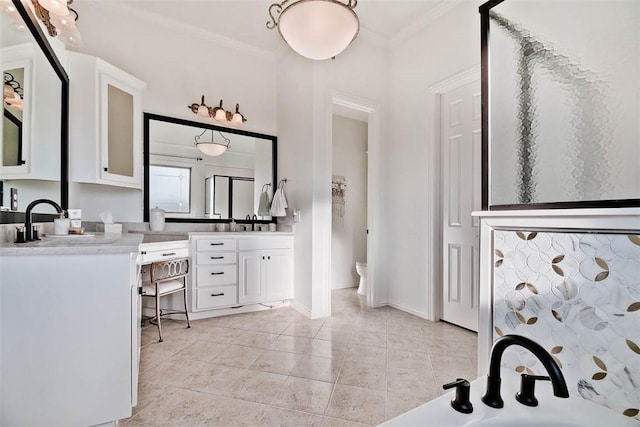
(361,268)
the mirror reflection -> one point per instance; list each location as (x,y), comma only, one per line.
(13,96)
(188,183)
(30,128)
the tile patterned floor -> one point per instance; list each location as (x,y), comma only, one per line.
(360,366)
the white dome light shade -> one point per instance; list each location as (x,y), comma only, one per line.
(212,148)
(318,29)
(57,7)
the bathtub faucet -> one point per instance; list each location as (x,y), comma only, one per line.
(492,396)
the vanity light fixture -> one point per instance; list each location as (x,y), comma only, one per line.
(316,29)
(212,148)
(218,113)
(59,19)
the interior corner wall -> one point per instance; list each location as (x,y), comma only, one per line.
(178,69)
(348,232)
(295,163)
(449,45)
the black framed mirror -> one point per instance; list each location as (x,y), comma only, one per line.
(34,159)
(191,186)
(560,104)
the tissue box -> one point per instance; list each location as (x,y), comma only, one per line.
(113,229)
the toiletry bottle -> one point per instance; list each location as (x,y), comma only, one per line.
(232,225)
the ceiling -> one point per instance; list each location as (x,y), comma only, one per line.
(244,21)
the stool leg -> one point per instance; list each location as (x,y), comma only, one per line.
(186,313)
(158,314)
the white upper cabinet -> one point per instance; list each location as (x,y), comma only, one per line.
(105,141)
(30,143)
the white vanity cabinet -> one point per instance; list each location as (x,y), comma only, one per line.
(105,141)
(68,352)
(265,269)
(239,269)
(215,274)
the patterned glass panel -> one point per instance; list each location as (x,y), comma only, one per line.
(565,101)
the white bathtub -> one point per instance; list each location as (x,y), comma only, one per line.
(551,412)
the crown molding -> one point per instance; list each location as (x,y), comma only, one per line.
(183,28)
(421,23)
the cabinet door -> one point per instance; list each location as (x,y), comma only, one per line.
(279,275)
(251,285)
(120,132)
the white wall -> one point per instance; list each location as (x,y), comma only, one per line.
(348,235)
(305,90)
(447,46)
(178,68)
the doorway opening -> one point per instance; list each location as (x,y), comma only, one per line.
(349,200)
(354,156)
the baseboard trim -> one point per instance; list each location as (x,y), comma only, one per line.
(345,287)
(409,310)
(301,308)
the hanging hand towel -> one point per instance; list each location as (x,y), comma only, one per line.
(264,206)
(279,204)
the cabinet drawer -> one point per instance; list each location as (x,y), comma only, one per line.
(204,258)
(216,275)
(217,296)
(164,254)
(216,244)
(266,242)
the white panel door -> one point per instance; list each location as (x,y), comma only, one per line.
(461,162)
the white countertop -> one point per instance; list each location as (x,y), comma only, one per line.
(99,243)
(76,245)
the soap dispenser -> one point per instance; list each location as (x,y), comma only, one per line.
(232,225)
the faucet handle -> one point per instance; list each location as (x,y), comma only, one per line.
(526,395)
(461,402)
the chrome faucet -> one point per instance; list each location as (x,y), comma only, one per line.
(254,218)
(27,221)
(492,396)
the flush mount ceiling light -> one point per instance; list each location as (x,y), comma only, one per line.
(59,19)
(212,148)
(218,113)
(316,29)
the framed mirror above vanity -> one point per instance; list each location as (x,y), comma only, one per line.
(191,186)
(35,123)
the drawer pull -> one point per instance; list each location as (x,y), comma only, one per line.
(217,244)
(217,257)
(169,254)
(217,273)
(218,295)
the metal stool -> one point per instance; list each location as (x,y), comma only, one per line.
(167,277)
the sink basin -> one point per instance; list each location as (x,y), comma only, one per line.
(552,411)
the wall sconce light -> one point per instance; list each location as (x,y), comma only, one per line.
(59,19)
(12,92)
(212,148)
(218,113)
(316,29)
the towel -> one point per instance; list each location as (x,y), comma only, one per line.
(264,206)
(279,203)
